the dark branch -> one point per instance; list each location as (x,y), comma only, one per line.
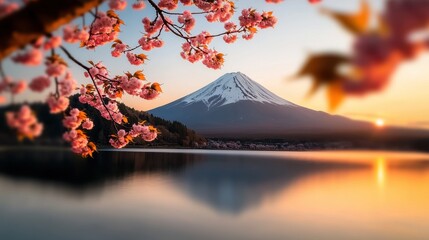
(37,19)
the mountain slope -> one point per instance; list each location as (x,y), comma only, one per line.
(235,105)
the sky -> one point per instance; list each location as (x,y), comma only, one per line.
(271,58)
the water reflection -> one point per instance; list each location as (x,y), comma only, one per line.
(66,170)
(380,166)
(214,195)
(246,181)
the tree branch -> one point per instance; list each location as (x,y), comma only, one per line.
(37,19)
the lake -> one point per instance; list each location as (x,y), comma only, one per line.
(205,194)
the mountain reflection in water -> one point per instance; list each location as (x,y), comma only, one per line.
(193,194)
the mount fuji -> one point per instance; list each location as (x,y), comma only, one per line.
(235,105)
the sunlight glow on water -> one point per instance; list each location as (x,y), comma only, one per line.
(381,171)
(216,195)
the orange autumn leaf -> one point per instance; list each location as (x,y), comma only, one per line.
(335,94)
(125,119)
(156,87)
(323,66)
(356,23)
(139,74)
(323,69)
(119,93)
(112,14)
(252,29)
(82,115)
(219,58)
(129,75)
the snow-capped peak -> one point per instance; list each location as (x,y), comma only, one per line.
(231,88)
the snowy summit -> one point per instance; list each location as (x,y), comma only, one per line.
(232,88)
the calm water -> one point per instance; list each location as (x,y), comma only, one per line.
(214,195)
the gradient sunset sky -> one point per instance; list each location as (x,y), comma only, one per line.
(271,58)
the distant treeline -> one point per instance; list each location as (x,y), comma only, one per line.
(170,133)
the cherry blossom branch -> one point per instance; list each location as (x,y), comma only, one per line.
(193,13)
(93,81)
(155,37)
(241,29)
(102,102)
(167,24)
(92,22)
(106,78)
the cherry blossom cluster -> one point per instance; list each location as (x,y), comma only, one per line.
(57,68)
(139,5)
(7,84)
(220,11)
(117,4)
(77,137)
(34,56)
(187,20)
(40,83)
(25,123)
(133,84)
(105,28)
(109,111)
(123,138)
(73,34)
(135,59)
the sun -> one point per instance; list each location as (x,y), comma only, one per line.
(379,122)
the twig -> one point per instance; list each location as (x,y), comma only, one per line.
(73,59)
(2,74)
(57,92)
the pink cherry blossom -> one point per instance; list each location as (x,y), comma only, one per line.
(33,57)
(187,20)
(87,124)
(67,85)
(148,93)
(72,122)
(168,4)
(103,30)
(120,140)
(57,105)
(152,27)
(134,59)
(52,43)
(73,34)
(117,4)
(39,84)
(118,48)
(55,69)
(19,87)
(24,121)
(139,5)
